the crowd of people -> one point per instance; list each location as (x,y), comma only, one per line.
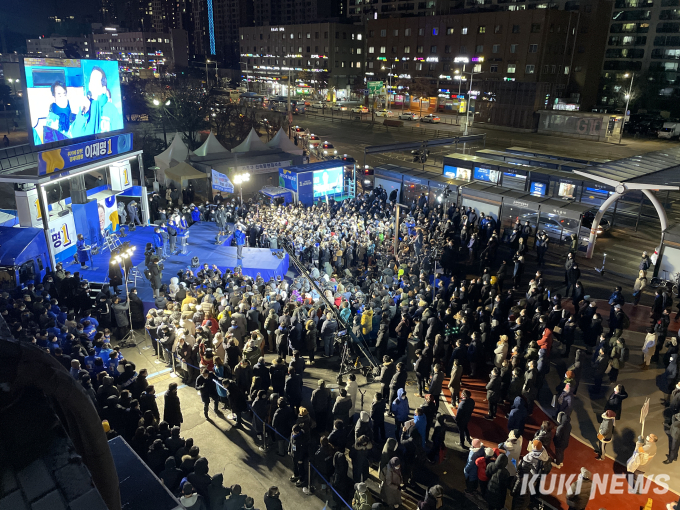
(217,325)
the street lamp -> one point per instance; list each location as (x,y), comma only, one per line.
(240,179)
(387,93)
(157,103)
(627,96)
(207,83)
(247,84)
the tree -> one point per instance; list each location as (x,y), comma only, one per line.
(321,81)
(147,140)
(188,113)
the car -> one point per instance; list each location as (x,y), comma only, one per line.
(298,108)
(327,149)
(360,109)
(431,118)
(384,113)
(339,107)
(557,227)
(313,140)
(298,129)
(408,116)
(318,105)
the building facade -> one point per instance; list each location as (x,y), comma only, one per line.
(643,44)
(542,51)
(318,56)
(57,46)
(287,12)
(141,53)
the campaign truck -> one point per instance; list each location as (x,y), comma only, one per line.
(275,195)
(23,257)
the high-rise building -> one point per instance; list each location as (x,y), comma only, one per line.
(328,52)
(216,26)
(521,61)
(287,12)
(643,45)
(61,46)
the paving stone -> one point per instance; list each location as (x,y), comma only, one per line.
(91,500)
(74,480)
(8,482)
(13,501)
(35,480)
(50,501)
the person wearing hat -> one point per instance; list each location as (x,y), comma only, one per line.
(470,469)
(578,496)
(606,432)
(362,500)
(272,499)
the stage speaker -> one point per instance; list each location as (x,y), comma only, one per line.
(195,262)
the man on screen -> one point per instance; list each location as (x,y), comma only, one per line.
(97,113)
(60,115)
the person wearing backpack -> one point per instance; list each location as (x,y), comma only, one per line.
(362,500)
(618,321)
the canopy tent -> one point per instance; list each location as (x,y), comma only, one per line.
(210,147)
(183,172)
(251,143)
(281,141)
(176,153)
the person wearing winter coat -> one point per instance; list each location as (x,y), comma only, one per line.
(521,497)
(438,438)
(321,405)
(561,439)
(311,335)
(260,409)
(400,409)
(606,432)
(340,480)
(493,393)
(206,386)
(282,422)
(615,400)
(171,475)
(576,368)
(501,351)
(470,469)
(398,380)
(363,427)
(578,496)
(436,382)
(342,407)
(217,492)
(481,464)
(360,454)
(352,389)
(565,402)
(463,416)
(367,322)
(298,450)
(673,439)
(536,456)
(172,412)
(190,499)
(433,499)
(648,349)
(392,479)
(499,479)
(512,448)
(387,371)
(454,382)
(518,415)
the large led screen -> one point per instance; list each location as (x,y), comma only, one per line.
(72,98)
(327,182)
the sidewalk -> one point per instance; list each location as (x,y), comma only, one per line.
(580,452)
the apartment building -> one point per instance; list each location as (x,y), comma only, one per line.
(334,50)
(56,46)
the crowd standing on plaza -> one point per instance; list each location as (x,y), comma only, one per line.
(499,326)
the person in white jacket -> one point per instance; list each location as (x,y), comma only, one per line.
(501,351)
(648,347)
(352,388)
(512,447)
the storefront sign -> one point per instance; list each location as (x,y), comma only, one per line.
(82,153)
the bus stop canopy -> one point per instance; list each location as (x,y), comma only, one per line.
(660,167)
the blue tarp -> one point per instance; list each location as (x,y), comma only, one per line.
(17,245)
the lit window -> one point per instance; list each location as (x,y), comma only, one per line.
(463,31)
(529,69)
(382,49)
(435,31)
(371,49)
(511,68)
(481,30)
(407,49)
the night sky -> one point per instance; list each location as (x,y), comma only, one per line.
(30,17)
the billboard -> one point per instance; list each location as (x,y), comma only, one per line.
(72,98)
(108,214)
(63,158)
(328,182)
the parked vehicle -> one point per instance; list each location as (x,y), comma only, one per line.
(313,141)
(408,116)
(384,113)
(431,118)
(669,130)
(319,105)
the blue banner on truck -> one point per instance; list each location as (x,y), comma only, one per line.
(63,158)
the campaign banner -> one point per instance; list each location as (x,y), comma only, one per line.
(108,214)
(288,179)
(63,158)
(259,168)
(62,236)
(220,182)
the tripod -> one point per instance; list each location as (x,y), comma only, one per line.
(129,339)
(346,364)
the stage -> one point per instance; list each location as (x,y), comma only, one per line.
(201,245)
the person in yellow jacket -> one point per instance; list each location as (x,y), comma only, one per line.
(367,322)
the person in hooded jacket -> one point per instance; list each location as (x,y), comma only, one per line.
(392,480)
(606,432)
(518,415)
(200,478)
(673,439)
(499,480)
(433,498)
(387,371)
(398,380)
(282,422)
(493,393)
(363,427)
(299,451)
(615,400)
(400,409)
(171,475)
(470,470)
(512,447)
(156,456)
(341,408)
(561,439)
(464,415)
(190,499)
(172,412)
(521,497)
(360,454)
(578,496)
(217,492)
(454,382)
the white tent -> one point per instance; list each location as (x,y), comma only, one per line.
(210,146)
(176,153)
(251,143)
(281,141)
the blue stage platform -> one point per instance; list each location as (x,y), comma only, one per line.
(201,245)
